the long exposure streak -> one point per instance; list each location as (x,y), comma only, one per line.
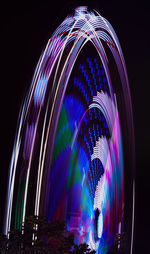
(68,157)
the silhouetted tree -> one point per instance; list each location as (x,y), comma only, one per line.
(14,242)
(83,248)
(119,246)
(3,243)
(38,236)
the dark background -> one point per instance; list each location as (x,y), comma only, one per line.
(26,28)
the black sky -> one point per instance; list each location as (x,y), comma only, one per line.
(26,28)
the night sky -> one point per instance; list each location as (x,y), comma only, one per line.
(25,31)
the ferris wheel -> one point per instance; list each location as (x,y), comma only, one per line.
(73,155)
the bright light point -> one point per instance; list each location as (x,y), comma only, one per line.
(81,9)
(100,225)
(80,12)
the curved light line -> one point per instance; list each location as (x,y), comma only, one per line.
(85,25)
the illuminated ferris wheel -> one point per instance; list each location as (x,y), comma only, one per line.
(73,155)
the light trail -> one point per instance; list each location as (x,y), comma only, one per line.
(69,137)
